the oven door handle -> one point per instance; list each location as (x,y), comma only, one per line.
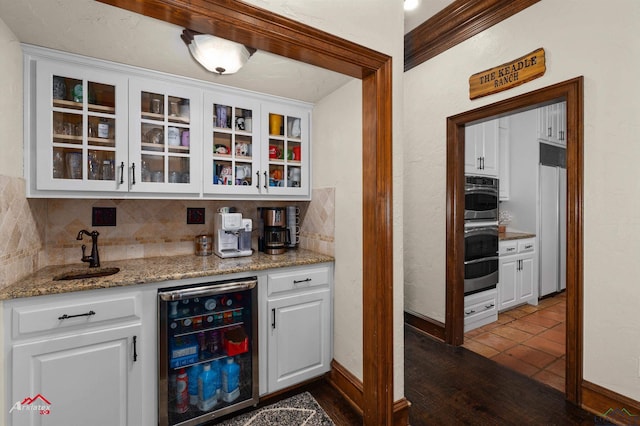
(488,230)
(207,290)
(483,259)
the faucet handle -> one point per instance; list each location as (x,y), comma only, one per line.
(84,248)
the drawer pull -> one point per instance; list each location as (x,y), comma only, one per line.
(87,314)
(302,281)
(489,306)
(470,312)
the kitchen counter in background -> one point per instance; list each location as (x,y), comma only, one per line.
(152,270)
(514,236)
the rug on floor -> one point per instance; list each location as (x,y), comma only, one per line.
(299,410)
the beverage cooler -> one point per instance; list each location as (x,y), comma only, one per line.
(208,350)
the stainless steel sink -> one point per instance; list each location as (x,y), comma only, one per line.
(87,273)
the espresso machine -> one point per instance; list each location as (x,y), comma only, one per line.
(232,235)
(274,234)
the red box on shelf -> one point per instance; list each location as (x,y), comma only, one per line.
(235,341)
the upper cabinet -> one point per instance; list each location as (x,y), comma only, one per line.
(552,124)
(79,125)
(164,120)
(482,149)
(96,129)
(255,148)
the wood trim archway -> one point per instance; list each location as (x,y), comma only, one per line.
(264,30)
(572,92)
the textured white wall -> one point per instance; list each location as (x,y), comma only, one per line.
(10,103)
(598,40)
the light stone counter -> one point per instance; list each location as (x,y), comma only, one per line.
(153,270)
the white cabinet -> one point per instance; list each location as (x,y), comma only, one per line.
(480,309)
(165,119)
(256,148)
(286,155)
(504,169)
(78,128)
(102,130)
(78,354)
(481,149)
(517,273)
(298,325)
(552,123)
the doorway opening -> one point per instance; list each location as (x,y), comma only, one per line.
(521,322)
(570,91)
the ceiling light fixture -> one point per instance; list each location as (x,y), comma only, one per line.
(216,54)
(410,5)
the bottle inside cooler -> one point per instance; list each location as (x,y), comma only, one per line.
(209,356)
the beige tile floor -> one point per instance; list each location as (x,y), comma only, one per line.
(529,339)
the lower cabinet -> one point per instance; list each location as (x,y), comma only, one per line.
(299,345)
(89,379)
(517,273)
(75,360)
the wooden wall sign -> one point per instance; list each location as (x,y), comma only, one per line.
(507,76)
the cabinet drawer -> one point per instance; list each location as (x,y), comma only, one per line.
(526,246)
(286,281)
(506,248)
(82,312)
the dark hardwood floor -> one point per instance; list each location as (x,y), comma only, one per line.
(449,385)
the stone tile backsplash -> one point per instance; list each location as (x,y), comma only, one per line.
(22,230)
(36,233)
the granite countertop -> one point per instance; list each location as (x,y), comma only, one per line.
(152,270)
(506,236)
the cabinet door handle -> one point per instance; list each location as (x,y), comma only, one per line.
(135,350)
(133,173)
(479,163)
(482,163)
(273,318)
(265,180)
(122,173)
(302,281)
(561,135)
(258,180)
(549,131)
(86,314)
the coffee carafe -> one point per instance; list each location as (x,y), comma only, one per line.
(274,237)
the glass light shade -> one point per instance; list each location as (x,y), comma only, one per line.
(218,55)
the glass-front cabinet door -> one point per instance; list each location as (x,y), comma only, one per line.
(80,128)
(231,145)
(165,120)
(286,154)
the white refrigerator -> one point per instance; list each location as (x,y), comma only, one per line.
(552,229)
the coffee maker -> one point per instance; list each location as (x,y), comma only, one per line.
(232,235)
(274,235)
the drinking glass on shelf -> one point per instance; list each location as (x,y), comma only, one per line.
(58,165)
(74,165)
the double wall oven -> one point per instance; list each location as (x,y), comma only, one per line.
(481,197)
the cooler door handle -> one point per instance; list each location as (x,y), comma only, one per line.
(207,290)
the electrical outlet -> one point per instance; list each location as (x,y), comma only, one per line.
(104,216)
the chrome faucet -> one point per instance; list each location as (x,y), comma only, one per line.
(94,258)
